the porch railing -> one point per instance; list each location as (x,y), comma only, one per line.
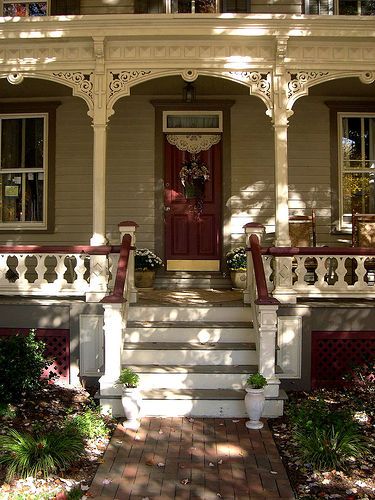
(50,270)
(321,272)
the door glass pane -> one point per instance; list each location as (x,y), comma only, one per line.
(22,9)
(193,121)
(351,143)
(11,143)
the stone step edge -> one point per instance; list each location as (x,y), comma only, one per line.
(198,369)
(192,346)
(196,394)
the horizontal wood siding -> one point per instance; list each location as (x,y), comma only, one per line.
(100,7)
(276,7)
(309,164)
(130,168)
(252,167)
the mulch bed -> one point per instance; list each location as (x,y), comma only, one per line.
(357,481)
(47,410)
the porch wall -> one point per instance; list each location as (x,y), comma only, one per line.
(130,169)
(100,7)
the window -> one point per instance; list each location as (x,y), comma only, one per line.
(23,170)
(192,121)
(356,164)
(342,7)
(236,5)
(25,8)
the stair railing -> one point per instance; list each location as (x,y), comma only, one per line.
(265,315)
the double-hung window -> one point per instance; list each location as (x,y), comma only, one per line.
(23,170)
(356,155)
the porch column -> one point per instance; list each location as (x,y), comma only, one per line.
(283,265)
(129,227)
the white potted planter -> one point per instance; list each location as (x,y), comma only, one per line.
(254,400)
(131,398)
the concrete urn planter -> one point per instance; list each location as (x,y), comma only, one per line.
(238,279)
(144,279)
(131,400)
(254,403)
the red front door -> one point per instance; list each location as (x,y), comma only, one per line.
(193,234)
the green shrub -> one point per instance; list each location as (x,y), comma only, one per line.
(22,361)
(88,425)
(256,381)
(26,455)
(326,436)
(331,447)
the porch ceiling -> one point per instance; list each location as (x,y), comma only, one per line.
(344,87)
(33,87)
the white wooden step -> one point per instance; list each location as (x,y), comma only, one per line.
(183,331)
(171,353)
(190,314)
(193,376)
(196,403)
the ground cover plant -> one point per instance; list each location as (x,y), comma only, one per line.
(51,437)
(327,442)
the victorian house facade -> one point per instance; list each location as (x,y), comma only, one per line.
(102,102)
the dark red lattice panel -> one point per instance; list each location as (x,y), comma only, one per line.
(57,349)
(335,354)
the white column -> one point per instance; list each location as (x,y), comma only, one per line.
(99,183)
(267,317)
(129,227)
(283,265)
(259,231)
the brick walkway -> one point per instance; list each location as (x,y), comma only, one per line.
(200,458)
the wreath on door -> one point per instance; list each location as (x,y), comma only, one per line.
(193,175)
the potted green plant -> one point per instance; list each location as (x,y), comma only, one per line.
(237,262)
(146,263)
(254,399)
(131,398)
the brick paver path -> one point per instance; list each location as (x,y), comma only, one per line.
(200,458)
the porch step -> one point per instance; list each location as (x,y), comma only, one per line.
(184,331)
(197,376)
(165,280)
(192,314)
(197,403)
(190,353)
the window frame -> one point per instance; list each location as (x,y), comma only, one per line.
(333,8)
(48,111)
(338,109)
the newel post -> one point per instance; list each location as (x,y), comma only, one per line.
(130,227)
(267,317)
(259,231)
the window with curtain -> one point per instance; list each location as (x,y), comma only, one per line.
(23,170)
(357,164)
(193,121)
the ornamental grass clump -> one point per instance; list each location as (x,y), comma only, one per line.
(236,259)
(25,455)
(145,260)
(327,437)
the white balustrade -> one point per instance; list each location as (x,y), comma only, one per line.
(44,274)
(328,275)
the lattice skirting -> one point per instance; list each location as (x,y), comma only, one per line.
(335,354)
(57,349)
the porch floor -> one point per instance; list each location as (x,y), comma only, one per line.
(196,297)
(186,458)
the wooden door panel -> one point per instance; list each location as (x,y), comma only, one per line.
(188,234)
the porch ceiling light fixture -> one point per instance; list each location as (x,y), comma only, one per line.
(189,92)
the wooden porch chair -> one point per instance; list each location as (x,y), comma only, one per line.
(363,235)
(363,230)
(302,230)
